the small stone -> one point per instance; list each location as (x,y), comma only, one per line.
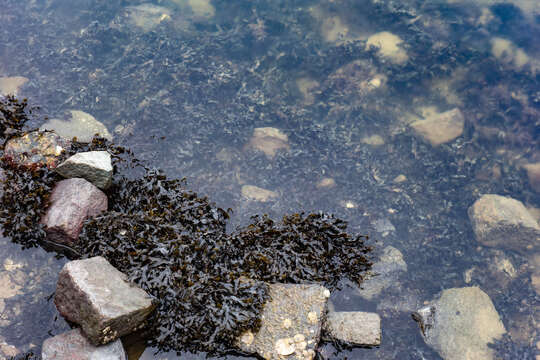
(35,149)
(354,327)
(247,338)
(11,85)
(400,178)
(285,346)
(326,293)
(373,140)
(73,345)
(507,52)
(258,194)
(389,47)
(72,202)
(298,338)
(440,128)
(533,172)
(81,125)
(500,221)
(94,166)
(93,294)
(268,140)
(144,17)
(326,183)
(8,288)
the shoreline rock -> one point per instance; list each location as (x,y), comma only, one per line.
(94,166)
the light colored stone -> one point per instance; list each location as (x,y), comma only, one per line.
(354,327)
(8,288)
(389,47)
(144,17)
(93,294)
(503,222)
(94,166)
(400,178)
(506,51)
(326,183)
(258,194)
(533,173)
(81,125)
(460,324)
(268,140)
(11,85)
(304,307)
(373,140)
(440,128)
(72,345)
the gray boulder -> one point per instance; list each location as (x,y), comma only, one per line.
(72,201)
(291,323)
(460,324)
(500,221)
(73,345)
(93,294)
(354,327)
(94,166)
(78,124)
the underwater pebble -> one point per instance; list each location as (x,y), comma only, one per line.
(93,294)
(144,17)
(73,345)
(94,166)
(72,201)
(268,140)
(440,128)
(8,287)
(503,222)
(354,327)
(258,194)
(35,149)
(460,324)
(389,47)
(400,178)
(11,85)
(326,183)
(78,124)
(373,140)
(533,173)
(507,52)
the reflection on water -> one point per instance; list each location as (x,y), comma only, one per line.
(394,115)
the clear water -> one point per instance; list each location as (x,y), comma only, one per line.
(185,83)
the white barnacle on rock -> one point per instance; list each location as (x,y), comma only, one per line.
(285,346)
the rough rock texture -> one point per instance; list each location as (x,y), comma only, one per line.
(71,203)
(460,324)
(291,323)
(80,124)
(35,149)
(93,294)
(385,271)
(268,140)
(94,166)
(500,221)
(11,85)
(72,345)
(440,128)
(354,327)
(258,194)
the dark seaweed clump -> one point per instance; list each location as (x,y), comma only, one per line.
(209,285)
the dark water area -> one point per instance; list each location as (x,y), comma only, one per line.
(184,84)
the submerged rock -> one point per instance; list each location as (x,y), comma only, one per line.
(145,16)
(500,221)
(291,323)
(72,345)
(460,324)
(268,140)
(11,85)
(440,128)
(94,166)
(81,125)
(71,203)
(258,194)
(93,294)
(533,173)
(389,47)
(35,149)
(354,327)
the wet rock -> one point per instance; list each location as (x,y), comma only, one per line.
(533,173)
(507,52)
(326,183)
(94,166)
(81,125)
(144,17)
(500,221)
(268,140)
(291,323)
(72,201)
(354,327)
(72,345)
(35,149)
(389,47)
(93,294)
(258,194)
(440,128)
(202,8)
(460,324)
(11,85)
(386,271)
(373,140)
(307,87)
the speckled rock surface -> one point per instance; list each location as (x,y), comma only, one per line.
(354,327)
(94,166)
(35,149)
(460,324)
(291,323)
(71,203)
(500,221)
(93,294)
(440,128)
(72,345)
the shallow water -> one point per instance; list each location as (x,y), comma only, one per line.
(185,83)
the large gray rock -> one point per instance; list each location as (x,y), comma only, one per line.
(94,166)
(72,345)
(78,124)
(500,221)
(71,203)
(460,324)
(440,128)
(291,323)
(354,327)
(35,149)
(93,294)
